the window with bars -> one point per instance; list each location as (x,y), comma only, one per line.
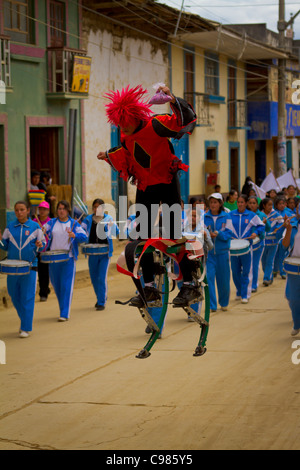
(211,74)
(18,22)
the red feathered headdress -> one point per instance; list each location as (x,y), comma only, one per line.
(127,107)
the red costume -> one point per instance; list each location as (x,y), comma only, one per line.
(148,155)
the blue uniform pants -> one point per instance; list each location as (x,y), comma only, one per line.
(22,291)
(257,254)
(218,271)
(267,261)
(241,267)
(293,296)
(278,262)
(62,276)
(98,267)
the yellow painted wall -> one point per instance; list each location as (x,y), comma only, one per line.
(218,117)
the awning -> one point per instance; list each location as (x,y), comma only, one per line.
(227,42)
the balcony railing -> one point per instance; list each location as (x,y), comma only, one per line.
(60,70)
(5,73)
(200,103)
(237,114)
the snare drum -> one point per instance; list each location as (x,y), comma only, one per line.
(256,243)
(292,265)
(14,267)
(56,256)
(92,249)
(239,247)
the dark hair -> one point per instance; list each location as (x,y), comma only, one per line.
(264,202)
(278,199)
(244,196)
(35,173)
(66,205)
(98,201)
(253,197)
(25,203)
(231,193)
(45,174)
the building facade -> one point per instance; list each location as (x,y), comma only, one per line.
(40,47)
(200,60)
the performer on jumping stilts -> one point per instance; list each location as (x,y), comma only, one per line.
(147,157)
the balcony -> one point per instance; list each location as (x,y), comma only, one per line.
(237,114)
(68,73)
(5,73)
(200,102)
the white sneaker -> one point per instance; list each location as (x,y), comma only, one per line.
(62,319)
(23,334)
(294,332)
(245,301)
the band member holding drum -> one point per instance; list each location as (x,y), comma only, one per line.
(259,244)
(246,226)
(21,239)
(272,239)
(147,157)
(43,268)
(218,265)
(99,260)
(292,266)
(64,235)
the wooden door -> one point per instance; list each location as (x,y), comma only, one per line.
(234,169)
(44,151)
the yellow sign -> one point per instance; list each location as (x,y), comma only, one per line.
(81,74)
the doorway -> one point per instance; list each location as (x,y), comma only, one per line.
(44,151)
(260,161)
(234,156)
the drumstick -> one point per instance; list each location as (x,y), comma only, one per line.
(74,224)
(289,218)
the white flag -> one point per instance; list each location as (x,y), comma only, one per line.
(286,180)
(259,192)
(270,183)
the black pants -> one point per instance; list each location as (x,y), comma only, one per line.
(43,273)
(168,194)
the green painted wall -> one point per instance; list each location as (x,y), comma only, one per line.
(27,98)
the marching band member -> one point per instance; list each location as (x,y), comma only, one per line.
(98,264)
(65,234)
(293,280)
(43,269)
(281,208)
(257,253)
(147,156)
(21,239)
(272,239)
(218,264)
(244,225)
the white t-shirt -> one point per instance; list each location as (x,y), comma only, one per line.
(60,236)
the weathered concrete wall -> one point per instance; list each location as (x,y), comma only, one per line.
(117,61)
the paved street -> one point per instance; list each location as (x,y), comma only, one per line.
(78,385)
